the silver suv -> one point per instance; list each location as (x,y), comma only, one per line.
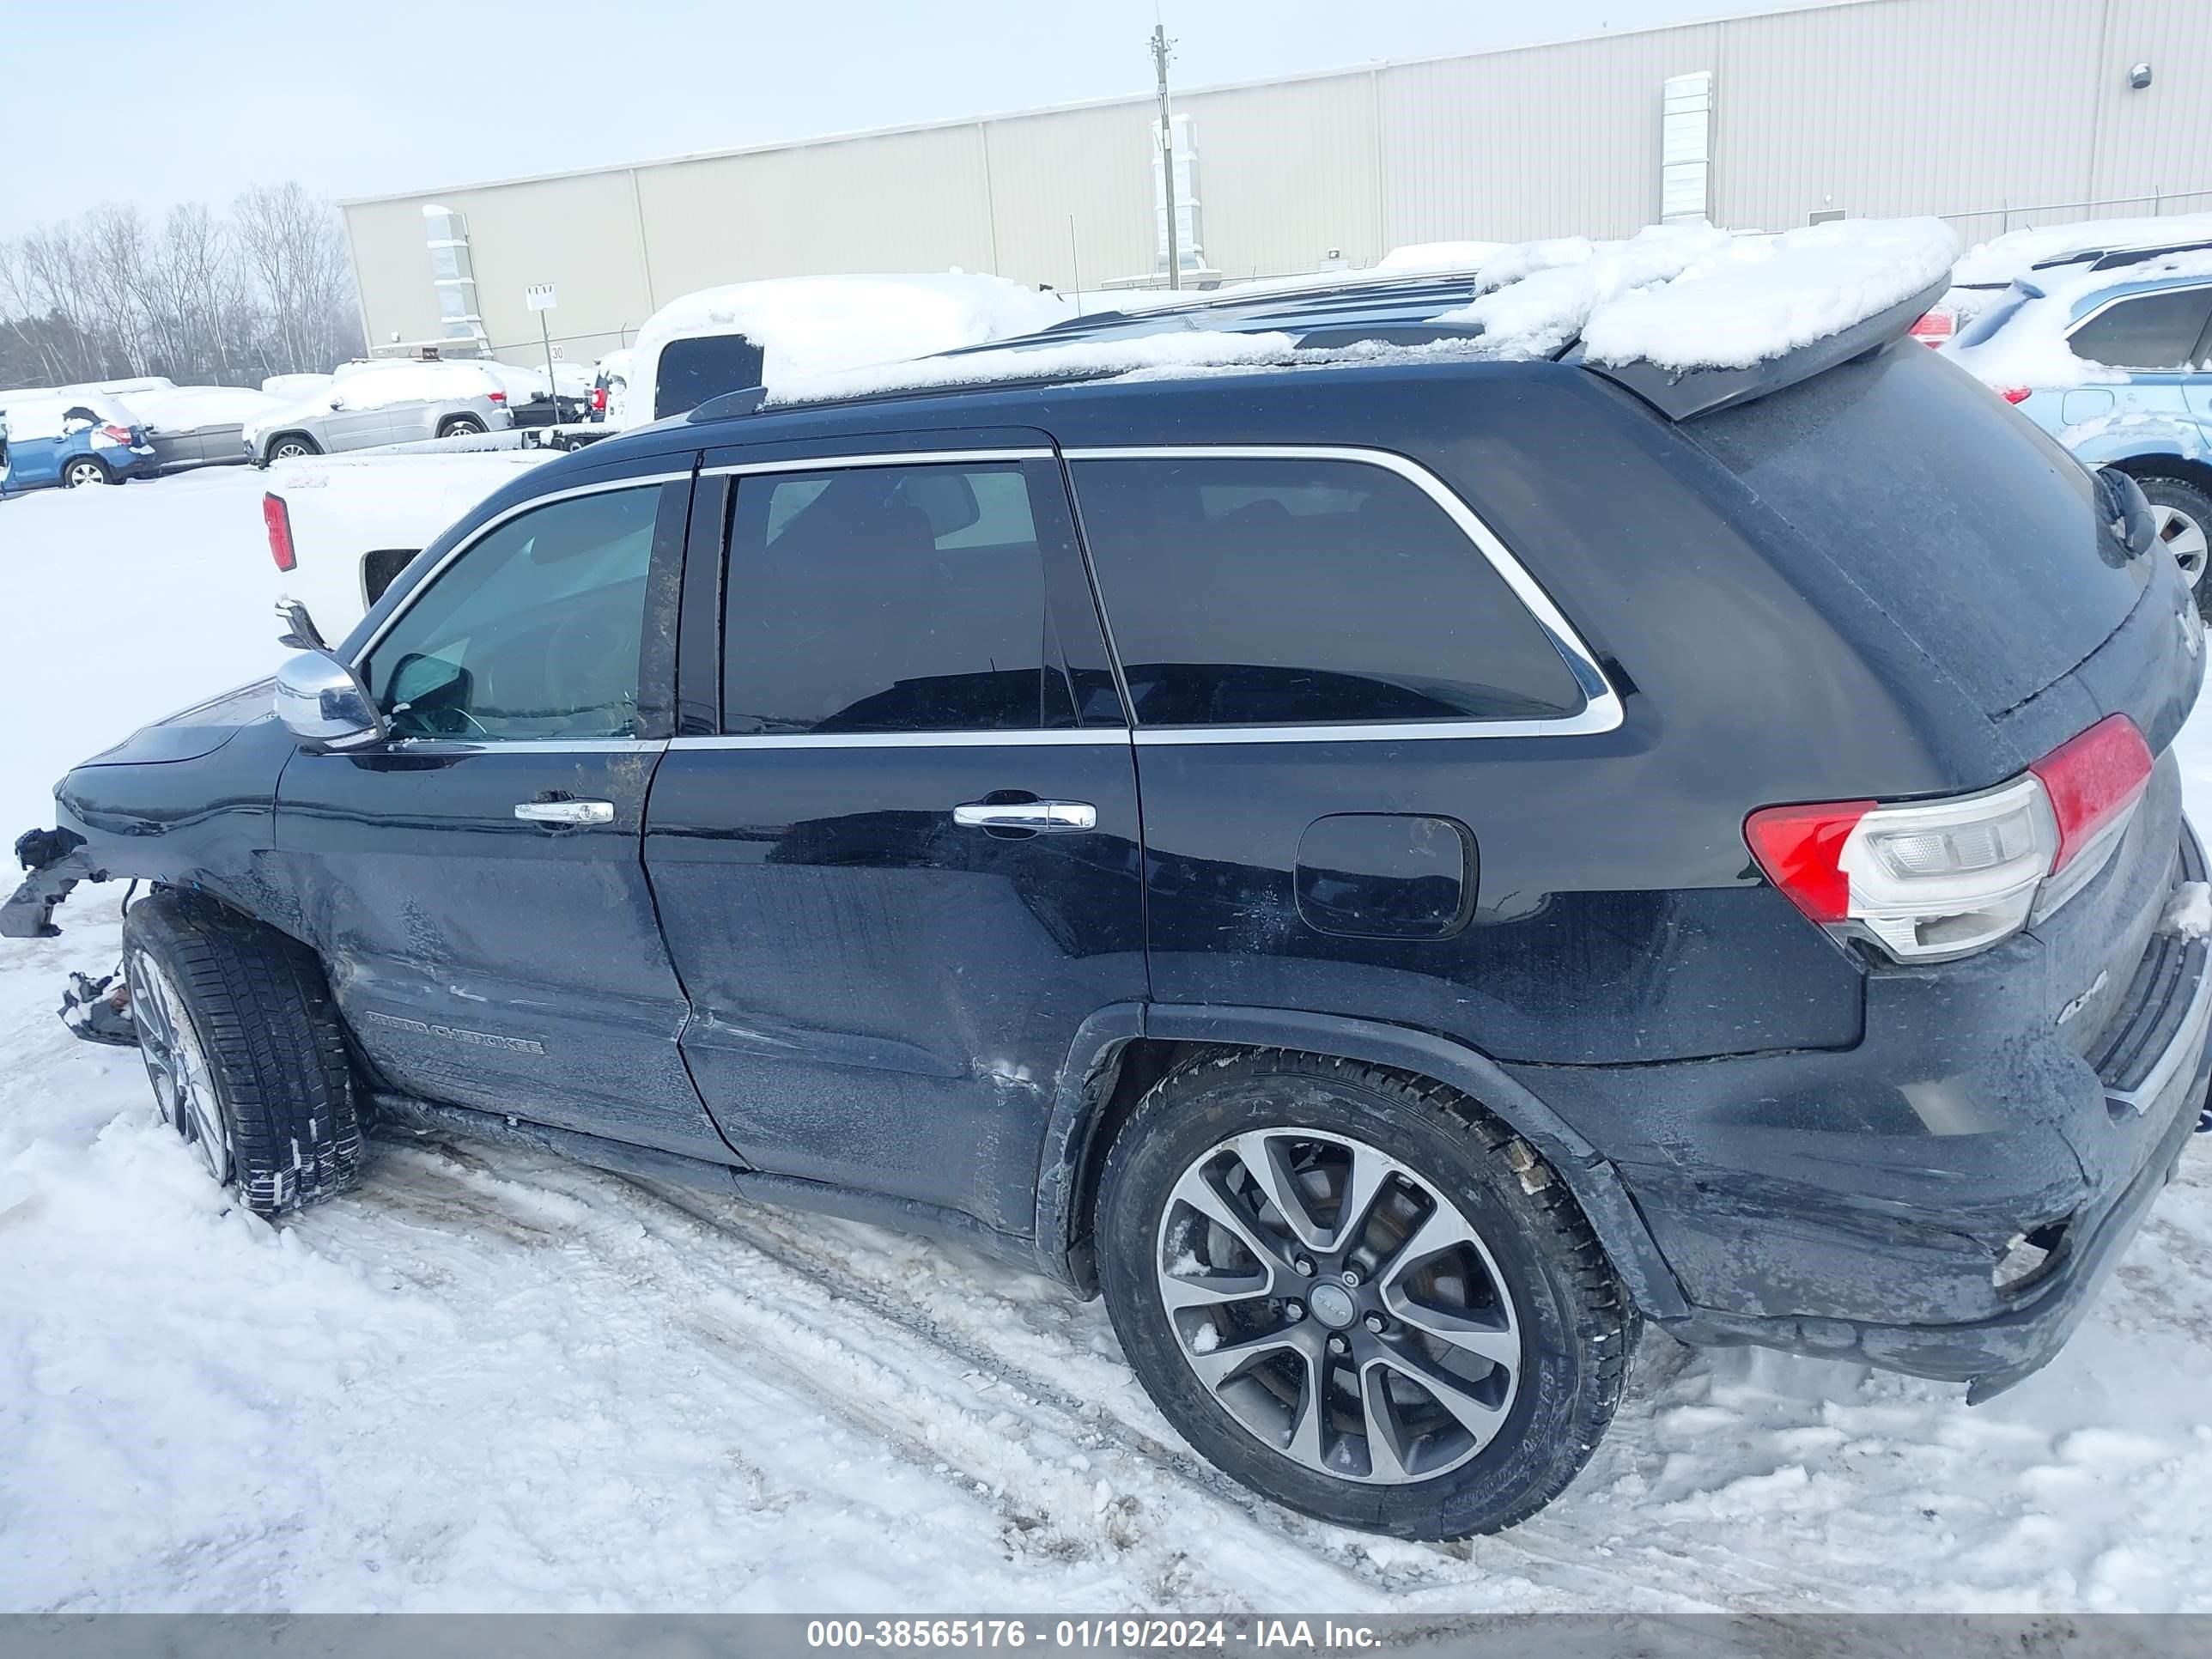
(382,404)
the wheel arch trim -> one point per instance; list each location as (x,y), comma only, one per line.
(1079,1097)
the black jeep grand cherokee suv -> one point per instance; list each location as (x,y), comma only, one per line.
(1395,872)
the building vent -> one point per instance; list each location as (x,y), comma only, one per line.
(1685,148)
(453,275)
(1190,220)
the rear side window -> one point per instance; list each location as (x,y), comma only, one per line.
(704,366)
(2151,331)
(884,599)
(1257,591)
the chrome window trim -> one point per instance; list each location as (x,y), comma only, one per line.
(598,487)
(1069,737)
(874,458)
(1601,708)
(2104,305)
(517,746)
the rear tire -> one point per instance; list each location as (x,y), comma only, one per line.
(86,471)
(1464,1337)
(461,425)
(2183,510)
(244,1049)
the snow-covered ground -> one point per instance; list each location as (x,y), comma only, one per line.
(491,1381)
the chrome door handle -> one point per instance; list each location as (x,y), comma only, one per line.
(1043,816)
(566,811)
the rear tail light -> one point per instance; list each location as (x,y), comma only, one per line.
(598,400)
(496,396)
(1930,880)
(1934,328)
(278,517)
(2017,394)
(120,435)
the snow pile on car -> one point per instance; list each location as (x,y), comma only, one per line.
(182,408)
(2020,341)
(1680,297)
(815,326)
(377,385)
(2006,259)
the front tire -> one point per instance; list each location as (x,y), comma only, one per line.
(2182,514)
(86,471)
(1359,1294)
(293,447)
(244,1049)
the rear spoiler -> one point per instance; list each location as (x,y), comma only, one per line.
(1679,394)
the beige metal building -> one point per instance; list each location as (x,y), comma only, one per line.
(1994,112)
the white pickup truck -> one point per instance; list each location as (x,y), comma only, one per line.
(340,527)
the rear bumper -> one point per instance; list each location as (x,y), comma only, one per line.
(1872,1204)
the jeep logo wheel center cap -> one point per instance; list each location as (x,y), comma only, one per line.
(1333,1305)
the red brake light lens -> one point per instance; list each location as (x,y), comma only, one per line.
(2017,394)
(1801,849)
(120,434)
(278,517)
(2093,779)
(1934,328)
(599,399)
(496,396)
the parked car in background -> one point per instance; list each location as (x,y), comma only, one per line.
(2112,357)
(609,387)
(379,403)
(69,439)
(194,426)
(1984,272)
(751,334)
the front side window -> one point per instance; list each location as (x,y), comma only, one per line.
(533,632)
(2151,331)
(884,599)
(1258,591)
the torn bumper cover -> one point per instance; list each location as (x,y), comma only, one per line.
(56,861)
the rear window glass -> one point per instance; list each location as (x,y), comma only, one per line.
(2151,331)
(705,365)
(1975,532)
(1253,592)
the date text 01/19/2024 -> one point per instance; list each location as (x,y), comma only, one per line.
(1076,1635)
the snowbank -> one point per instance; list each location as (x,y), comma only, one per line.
(814,325)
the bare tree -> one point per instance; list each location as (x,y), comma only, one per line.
(269,291)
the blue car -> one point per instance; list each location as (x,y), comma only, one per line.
(2111,355)
(70,439)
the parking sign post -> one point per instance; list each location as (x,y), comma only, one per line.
(539,297)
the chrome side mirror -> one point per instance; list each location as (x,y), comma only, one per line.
(324,704)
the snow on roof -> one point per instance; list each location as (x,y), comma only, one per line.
(182,408)
(1758,297)
(1422,258)
(815,326)
(1679,296)
(2027,346)
(2003,258)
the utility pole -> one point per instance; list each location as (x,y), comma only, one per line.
(1160,44)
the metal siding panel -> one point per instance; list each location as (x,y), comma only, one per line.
(1090,165)
(908,200)
(2159,139)
(1286,173)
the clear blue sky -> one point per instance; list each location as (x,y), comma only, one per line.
(194,101)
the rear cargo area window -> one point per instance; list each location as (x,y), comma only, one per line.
(1245,591)
(1972,531)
